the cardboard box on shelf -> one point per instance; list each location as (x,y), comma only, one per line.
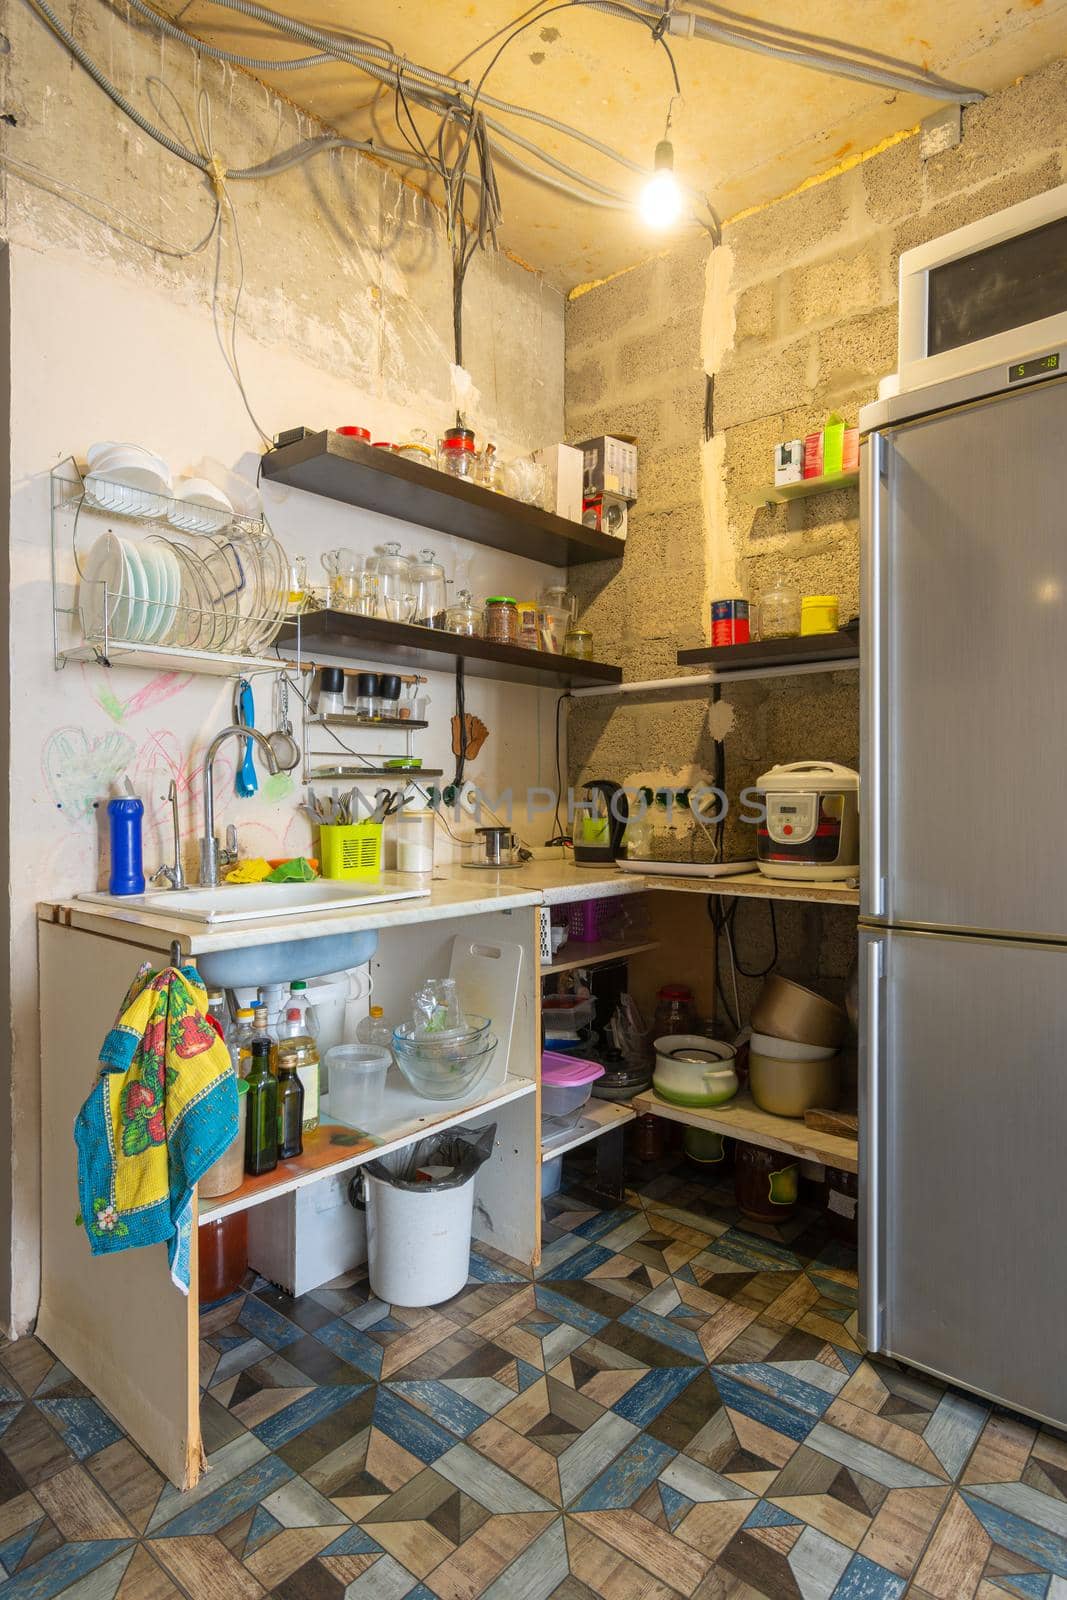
(610,467)
(788,462)
(564,465)
(607,514)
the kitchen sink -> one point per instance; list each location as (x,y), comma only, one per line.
(243,902)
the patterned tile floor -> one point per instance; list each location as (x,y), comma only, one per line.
(675,1406)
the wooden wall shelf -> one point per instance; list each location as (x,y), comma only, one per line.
(835,649)
(340,633)
(346,469)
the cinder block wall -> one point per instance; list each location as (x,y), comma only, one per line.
(793,316)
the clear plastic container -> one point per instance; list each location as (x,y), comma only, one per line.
(414,841)
(566,1083)
(357,1075)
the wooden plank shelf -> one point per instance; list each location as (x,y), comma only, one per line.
(742,1119)
(777,494)
(598,1117)
(346,469)
(572,955)
(754,886)
(835,649)
(341,633)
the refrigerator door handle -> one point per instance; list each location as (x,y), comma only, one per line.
(871,1147)
(872,674)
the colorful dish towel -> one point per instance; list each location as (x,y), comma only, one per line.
(162,1111)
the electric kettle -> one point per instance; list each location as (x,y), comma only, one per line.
(599,822)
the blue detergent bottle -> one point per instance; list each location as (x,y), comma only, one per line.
(125,817)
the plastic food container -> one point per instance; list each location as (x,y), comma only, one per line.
(566,1083)
(818,613)
(564,1016)
(357,1082)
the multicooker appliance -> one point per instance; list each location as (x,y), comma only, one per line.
(811,827)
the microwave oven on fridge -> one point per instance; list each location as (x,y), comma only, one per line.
(994,292)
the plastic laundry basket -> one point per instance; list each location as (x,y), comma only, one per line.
(419,1233)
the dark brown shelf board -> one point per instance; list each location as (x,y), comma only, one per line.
(349,470)
(340,633)
(808,648)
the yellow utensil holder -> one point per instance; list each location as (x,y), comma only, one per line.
(352,851)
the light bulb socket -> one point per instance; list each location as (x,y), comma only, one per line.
(664,158)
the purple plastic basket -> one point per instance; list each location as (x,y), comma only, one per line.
(588,919)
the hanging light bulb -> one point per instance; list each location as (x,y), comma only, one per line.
(661,198)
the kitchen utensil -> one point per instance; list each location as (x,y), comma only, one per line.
(430,588)
(284,747)
(789,1049)
(246,783)
(787,1010)
(789,1088)
(811,828)
(778,612)
(443,1072)
(496,850)
(331,696)
(599,823)
(693,1070)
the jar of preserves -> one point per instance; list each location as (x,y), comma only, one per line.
(502,619)
(578,643)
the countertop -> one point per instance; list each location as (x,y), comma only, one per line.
(454,891)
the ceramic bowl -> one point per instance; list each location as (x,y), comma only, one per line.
(694,1083)
(765,1044)
(787,1010)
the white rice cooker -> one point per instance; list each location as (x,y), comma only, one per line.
(811,829)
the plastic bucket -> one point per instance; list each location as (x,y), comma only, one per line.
(418,1241)
(357,1082)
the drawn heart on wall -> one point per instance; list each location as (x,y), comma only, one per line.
(161,687)
(79,770)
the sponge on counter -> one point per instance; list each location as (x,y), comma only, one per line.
(298,870)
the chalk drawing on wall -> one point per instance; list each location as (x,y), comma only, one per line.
(162,686)
(79,770)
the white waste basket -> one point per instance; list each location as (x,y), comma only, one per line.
(418,1231)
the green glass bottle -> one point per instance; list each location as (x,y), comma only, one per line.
(261,1116)
(290,1111)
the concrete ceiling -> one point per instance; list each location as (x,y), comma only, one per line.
(747,130)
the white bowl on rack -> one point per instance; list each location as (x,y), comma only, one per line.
(200,507)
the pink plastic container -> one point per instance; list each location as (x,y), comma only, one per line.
(588,919)
(566,1083)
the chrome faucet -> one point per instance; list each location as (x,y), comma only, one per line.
(174,875)
(209,846)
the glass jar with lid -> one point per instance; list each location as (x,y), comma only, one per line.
(778,613)
(417,445)
(502,619)
(455,453)
(428,578)
(464,617)
(675,1012)
(394,586)
(579,644)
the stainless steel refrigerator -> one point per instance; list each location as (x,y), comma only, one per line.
(963,924)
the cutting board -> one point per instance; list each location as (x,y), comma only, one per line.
(487,974)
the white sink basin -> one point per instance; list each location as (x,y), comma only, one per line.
(243,902)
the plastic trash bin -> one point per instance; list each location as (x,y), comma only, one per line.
(419,1229)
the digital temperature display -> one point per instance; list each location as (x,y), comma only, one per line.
(1039,367)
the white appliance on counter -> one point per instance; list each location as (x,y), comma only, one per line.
(810,831)
(963,899)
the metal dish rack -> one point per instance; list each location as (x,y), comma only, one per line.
(74,497)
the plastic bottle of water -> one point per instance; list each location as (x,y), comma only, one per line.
(299,997)
(374,1030)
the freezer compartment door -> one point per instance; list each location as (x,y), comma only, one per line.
(963,1137)
(964,758)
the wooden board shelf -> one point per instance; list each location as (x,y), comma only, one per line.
(346,469)
(754,886)
(742,1119)
(572,955)
(776,494)
(835,649)
(340,633)
(598,1117)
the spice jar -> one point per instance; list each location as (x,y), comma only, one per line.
(455,453)
(578,643)
(501,619)
(674,1010)
(779,612)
